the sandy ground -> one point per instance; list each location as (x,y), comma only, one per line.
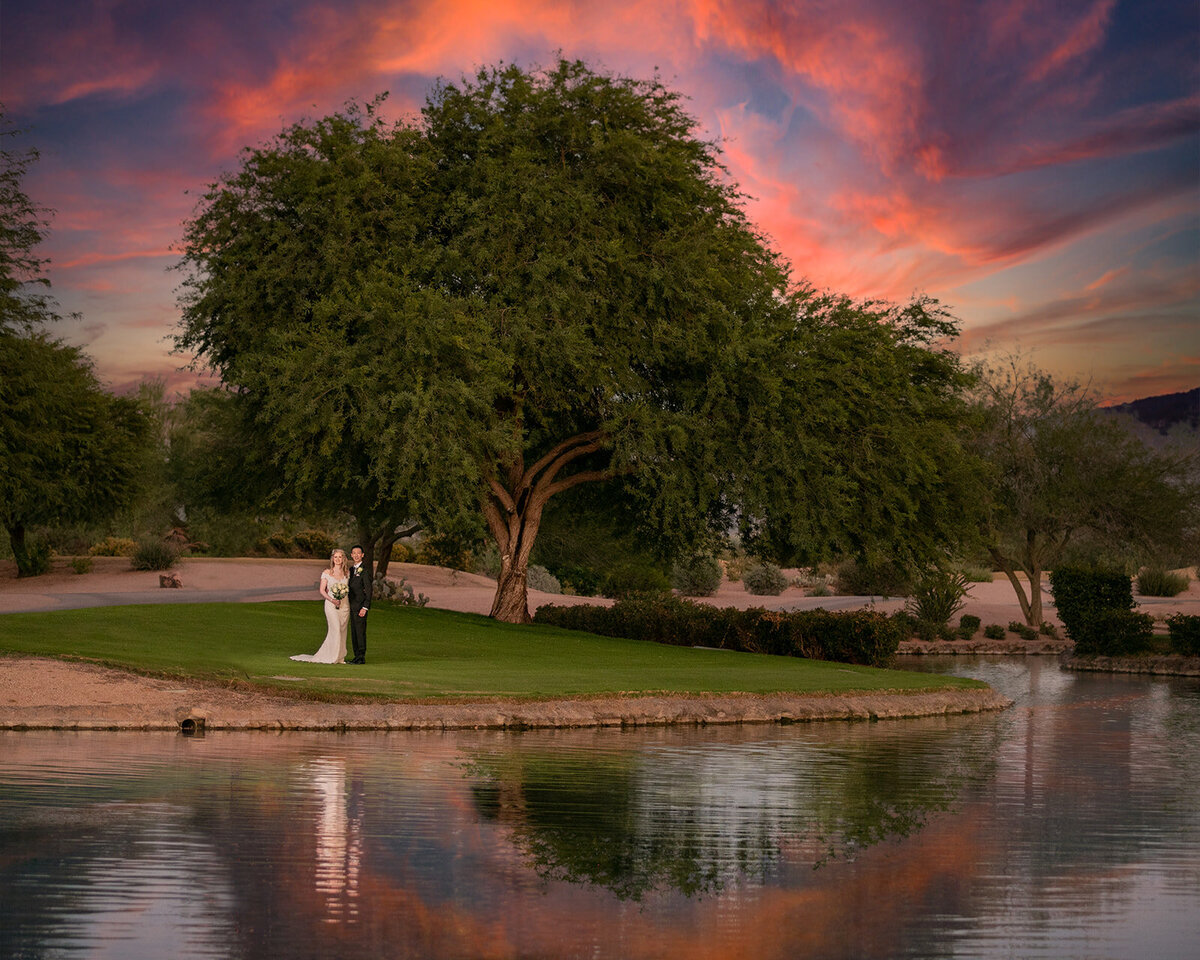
(40,693)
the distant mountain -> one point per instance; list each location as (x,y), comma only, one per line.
(1163,413)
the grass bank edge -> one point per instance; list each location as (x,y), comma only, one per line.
(417,655)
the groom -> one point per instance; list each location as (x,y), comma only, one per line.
(360,603)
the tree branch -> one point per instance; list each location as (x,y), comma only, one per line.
(564,453)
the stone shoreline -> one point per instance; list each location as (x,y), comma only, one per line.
(79,696)
(1164,666)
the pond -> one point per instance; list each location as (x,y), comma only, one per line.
(1066,827)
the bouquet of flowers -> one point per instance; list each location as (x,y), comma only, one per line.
(338,591)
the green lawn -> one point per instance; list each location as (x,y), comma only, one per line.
(418,653)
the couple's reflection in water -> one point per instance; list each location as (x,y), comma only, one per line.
(338,835)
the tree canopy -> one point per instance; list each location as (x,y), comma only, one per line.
(548,280)
(23,303)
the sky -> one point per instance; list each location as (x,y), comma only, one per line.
(1032,164)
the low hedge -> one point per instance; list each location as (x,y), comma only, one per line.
(859,636)
(1185,634)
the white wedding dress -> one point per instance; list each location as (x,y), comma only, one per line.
(333,650)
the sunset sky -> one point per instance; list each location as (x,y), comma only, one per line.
(1034,164)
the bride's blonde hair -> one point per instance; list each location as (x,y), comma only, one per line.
(333,566)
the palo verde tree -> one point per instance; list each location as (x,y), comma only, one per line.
(547,281)
(1061,468)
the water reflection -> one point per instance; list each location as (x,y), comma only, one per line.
(1068,826)
(667,816)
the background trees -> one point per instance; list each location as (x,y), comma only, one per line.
(68,449)
(548,282)
(1063,469)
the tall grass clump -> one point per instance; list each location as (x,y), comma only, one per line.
(1157,581)
(154,555)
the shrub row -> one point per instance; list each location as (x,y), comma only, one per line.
(859,636)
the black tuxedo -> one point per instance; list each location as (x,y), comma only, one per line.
(360,599)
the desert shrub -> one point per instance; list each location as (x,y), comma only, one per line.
(1047,629)
(968,625)
(904,620)
(698,576)
(81,564)
(539,578)
(37,558)
(1022,630)
(764,579)
(1157,581)
(807,577)
(1079,590)
(993,631)
(487,561)
(735,568)
(314,543)
(154,555)
(445,550)
(976,574)
(1185,634)
(820,590)
(1084,597)
(397,591)
(1116,633)
(858,636)
(113,547)
(579,580)
(937,596)
(403,553)
(633,576)
(861,579)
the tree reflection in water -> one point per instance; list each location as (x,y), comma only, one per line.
(696,822)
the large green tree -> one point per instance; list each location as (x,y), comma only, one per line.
(1061,469)
(549,281)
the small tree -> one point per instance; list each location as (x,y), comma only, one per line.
(1061,468)
(69,450)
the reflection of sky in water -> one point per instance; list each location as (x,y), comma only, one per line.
(1068,826)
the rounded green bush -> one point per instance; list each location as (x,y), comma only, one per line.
(539,578)
(697,577)
(764,580)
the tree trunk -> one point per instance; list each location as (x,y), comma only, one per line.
(388,541)
(1033,616)
(513,510)
(1010,571)
(16,538)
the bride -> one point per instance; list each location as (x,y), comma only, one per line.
(335,590)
